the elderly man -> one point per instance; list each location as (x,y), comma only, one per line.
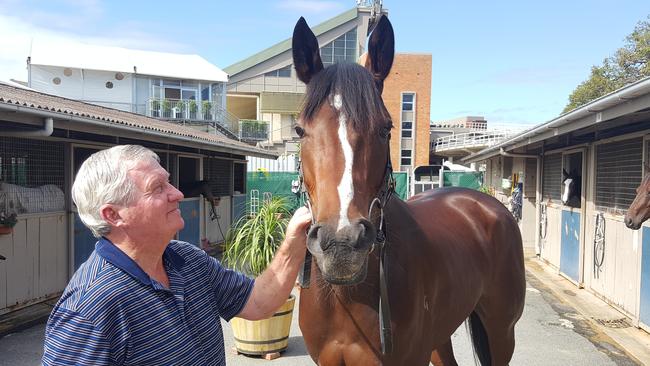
(142,298)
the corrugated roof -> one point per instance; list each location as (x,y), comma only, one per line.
(590,110)
(285,45)
(93,57)
(68,109)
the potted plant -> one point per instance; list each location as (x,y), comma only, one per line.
(206,107)
(193,107)
(7,222)
(166,108)
(155,108)
(180,109)
(249,248)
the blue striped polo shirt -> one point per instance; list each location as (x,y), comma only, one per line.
(113,313)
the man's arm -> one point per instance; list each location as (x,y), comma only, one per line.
(273,286)
(71,339)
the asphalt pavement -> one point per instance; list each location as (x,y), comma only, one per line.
(554,330)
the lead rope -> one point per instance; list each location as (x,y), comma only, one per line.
(304,276)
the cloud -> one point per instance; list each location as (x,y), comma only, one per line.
(310,6)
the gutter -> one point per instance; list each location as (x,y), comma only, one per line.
(615,98)
(502,152)
(48,128)
(106,124)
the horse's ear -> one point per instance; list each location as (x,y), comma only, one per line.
(565,175)
(306,54)
(381,51)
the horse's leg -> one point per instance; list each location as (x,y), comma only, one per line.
(499,325)
(444,355)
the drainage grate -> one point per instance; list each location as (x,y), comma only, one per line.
(614,323)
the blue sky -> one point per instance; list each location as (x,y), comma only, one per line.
(514,62)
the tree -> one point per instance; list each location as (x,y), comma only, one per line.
(630,63)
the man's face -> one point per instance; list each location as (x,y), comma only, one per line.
(154,213)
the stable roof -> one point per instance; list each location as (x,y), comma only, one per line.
(67,112)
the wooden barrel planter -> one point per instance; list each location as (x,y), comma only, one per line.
(266,336)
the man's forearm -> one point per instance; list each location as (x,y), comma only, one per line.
(273,286)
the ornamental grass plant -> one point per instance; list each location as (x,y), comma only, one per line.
(251,243)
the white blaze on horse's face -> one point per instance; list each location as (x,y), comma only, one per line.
(346,186)
(567,185)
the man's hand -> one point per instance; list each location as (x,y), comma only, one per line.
(297,228)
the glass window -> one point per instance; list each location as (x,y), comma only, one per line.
(171,93)
(343,48)
(406,153)
(284,72)
(407,133)
(189,94)
(407,125)
(205,92)
(406,161)
(407,116)
(167,82)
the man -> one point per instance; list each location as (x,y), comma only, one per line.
(141,298)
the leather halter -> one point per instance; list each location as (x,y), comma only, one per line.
(383,196)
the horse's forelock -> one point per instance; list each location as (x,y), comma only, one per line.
(360,99)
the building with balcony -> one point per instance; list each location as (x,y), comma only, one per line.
(265,87)
(184,89)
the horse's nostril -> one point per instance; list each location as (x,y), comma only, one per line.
(313,231)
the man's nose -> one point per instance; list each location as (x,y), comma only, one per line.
(175,194)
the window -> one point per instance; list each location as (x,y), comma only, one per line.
(341,49)
(407,102)
(619,168)
(406,157)
(284,72)
(408,105)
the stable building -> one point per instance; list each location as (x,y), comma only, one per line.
(602,147)
(43,141)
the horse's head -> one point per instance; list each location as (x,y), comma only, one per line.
(344,129)
(572,187)
(639,210)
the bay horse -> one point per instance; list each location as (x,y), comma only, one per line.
(639,210)
(572,192)
(392,280)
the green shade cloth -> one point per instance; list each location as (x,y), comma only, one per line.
(279,184)
(473,180)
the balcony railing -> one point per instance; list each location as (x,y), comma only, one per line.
(471,140)
(253,130)
(193,111)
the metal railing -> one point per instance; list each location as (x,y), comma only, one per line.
(471,139)
(253,130)
(191,110)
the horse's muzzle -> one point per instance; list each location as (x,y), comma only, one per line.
(631,223)
(342,255)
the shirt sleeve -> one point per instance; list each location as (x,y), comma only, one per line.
(71,339)
(232,289)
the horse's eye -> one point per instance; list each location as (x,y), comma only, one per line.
(384,132)
(300,131)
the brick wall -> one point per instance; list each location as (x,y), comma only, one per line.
(410,73)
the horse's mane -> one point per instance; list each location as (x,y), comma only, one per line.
(362,103)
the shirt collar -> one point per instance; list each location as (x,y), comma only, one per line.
(112,254)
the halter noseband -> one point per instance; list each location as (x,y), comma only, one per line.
(383,196)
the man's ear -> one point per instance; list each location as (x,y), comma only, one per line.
(110,214)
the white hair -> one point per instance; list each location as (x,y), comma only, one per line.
(103,178)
